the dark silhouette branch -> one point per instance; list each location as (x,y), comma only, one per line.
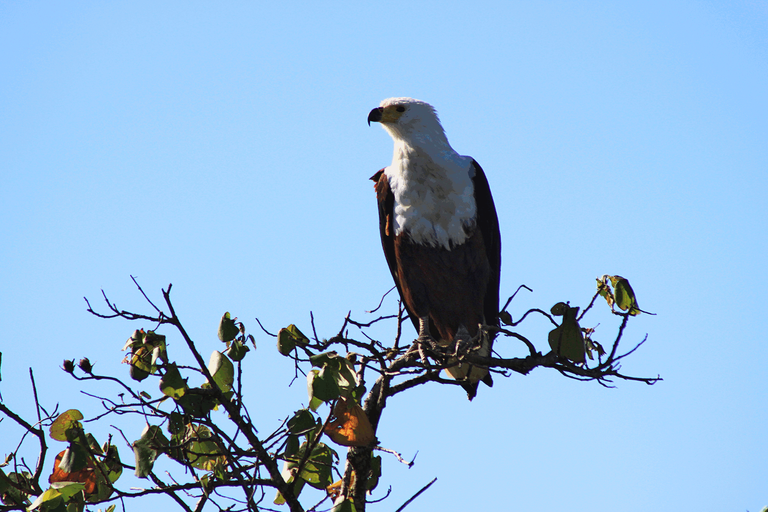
(416,495)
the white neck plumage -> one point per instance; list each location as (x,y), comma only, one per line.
(432,184)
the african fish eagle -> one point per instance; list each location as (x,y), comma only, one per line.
(440,233)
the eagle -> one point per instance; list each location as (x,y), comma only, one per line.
(440,234)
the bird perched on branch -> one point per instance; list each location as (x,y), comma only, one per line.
(440,235)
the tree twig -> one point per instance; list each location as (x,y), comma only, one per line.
(416,495)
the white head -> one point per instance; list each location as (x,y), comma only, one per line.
(412,121)
(432,184)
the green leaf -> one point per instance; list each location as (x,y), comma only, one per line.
(112,462)
(68,489)
(373,479)
(75,458)
(203,452)
(172,384)
(146,449)
(197,448)
(291,446)
(146,349)
(50,500)
(311,376)
(301,422)
(567,339)
(176,424)
(5,484)
(93,444)
(23,480)
(345,378)
(156,343)
(222,370)
(137,374)
(323,358)
(592,346)
(157,353)
(196,406)
(622,294)
(227,328)
(285,342)
(315,403)
(289,476)
(141,359)
(559,309)
(220,472)
(604,290)
(336,368)
(358,393)
(66,421)
(343,505)
(237,350)
(317,469)
(321,384)
(8,487)
(288,338)
(625,296)
(76,505)
(136,340)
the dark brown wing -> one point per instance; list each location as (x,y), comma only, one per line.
(386,200)
(488,222)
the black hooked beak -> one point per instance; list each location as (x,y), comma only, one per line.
(375,115)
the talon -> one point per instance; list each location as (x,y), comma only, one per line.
(430,342)
(425,338)
(462,342)
(422,354)
(427,342)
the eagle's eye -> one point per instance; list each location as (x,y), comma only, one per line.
(400,108)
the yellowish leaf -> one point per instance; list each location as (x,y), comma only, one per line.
(349,425)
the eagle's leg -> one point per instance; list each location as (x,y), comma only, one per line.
(425,338)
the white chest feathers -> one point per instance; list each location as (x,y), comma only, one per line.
(434,200)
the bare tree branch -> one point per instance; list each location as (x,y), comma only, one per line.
(228,465)
(416,495)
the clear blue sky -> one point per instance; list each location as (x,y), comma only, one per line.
(224,149)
